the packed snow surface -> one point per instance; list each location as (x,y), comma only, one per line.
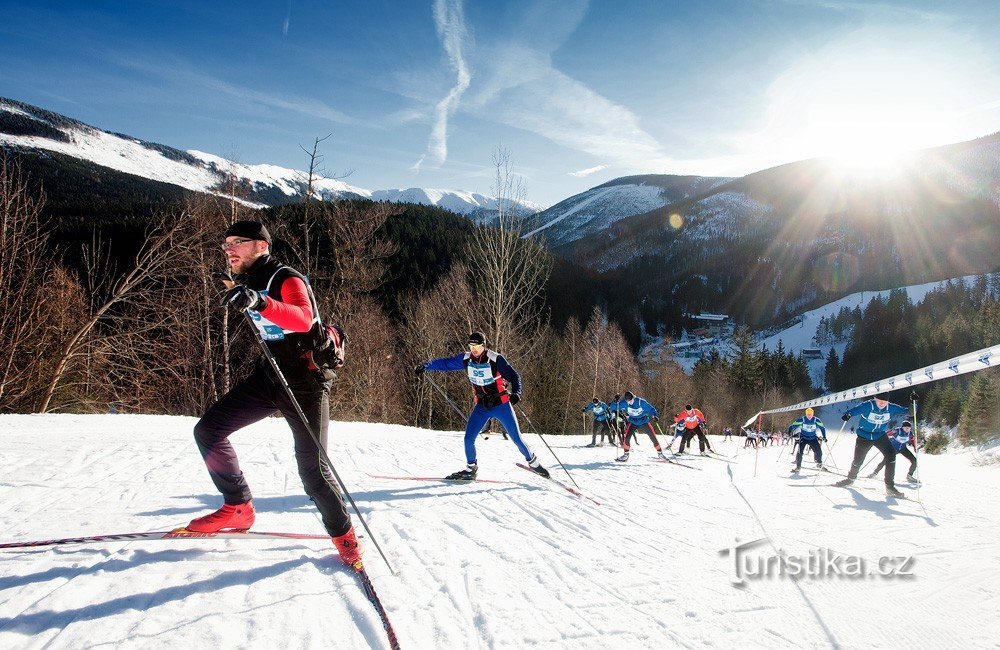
(481,565)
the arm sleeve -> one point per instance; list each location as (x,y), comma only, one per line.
(898,410)
(856,410)
(294,313)
(821,426)
(793,425)
(446,364)
(652,410)
(509,375)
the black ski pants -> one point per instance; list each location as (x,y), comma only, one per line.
(689,435)
(906,453)
(861,447)
(253,399)
(604,429)
(816,449)
(630,431)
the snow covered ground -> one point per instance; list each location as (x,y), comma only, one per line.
(482,565)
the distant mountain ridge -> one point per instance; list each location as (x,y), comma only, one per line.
(34,130)
(765,245)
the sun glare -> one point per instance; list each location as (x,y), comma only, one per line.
(868,98)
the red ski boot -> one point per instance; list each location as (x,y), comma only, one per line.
(237,517)
(347,546)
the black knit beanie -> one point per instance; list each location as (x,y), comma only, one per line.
(250,230)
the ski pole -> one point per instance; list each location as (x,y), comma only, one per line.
(446,398)
(829,450)
(319,445)
(913,400)
(532,425)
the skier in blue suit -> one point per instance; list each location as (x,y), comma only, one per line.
(601,413)
(809,427)
(872,428)
(497,388)
(901,438)
(638,413)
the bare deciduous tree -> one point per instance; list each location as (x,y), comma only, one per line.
(508,272)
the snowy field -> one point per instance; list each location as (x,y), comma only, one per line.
(483,565)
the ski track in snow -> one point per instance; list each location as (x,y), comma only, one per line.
(479,565)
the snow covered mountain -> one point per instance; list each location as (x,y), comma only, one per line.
(593,211)
(764,246)
(33,130)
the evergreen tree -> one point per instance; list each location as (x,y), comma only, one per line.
(980,421)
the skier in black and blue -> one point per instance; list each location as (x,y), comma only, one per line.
(638,413)
(497,388)
(901,438)
(600,411)
(809,427)
(875,416)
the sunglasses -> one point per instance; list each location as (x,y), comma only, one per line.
(476,345)
(229,245)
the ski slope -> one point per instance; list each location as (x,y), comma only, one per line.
(481,565)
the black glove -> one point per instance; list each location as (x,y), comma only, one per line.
(656,419)
(824,438)
(419,369)
(514,399)
(914,397)
(846,417)
(243,298)
(222,276)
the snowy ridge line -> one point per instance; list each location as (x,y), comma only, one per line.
(971,362)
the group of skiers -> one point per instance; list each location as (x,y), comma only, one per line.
(626,414)
(295,379)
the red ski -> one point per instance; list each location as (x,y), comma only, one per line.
(569,489)
(179,533)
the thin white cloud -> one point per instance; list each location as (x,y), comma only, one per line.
(522,89)
(588,171)
(449,18)
(288,20)
(186,77)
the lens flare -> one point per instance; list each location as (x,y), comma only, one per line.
(676,221)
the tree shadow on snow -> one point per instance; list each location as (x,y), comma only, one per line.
(428,491)
(40,621)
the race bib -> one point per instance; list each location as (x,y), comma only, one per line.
(877,419)
(268,330)
(481,374)
(808,428)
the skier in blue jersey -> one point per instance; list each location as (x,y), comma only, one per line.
(901,438)
(874,423)
(638,413)
(809,428)
(601,414)
(497,388)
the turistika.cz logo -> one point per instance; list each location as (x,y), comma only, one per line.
(817,564)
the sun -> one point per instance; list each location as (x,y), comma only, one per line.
(867,99)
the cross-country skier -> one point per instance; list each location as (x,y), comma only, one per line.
(875,416)
(679,432)
(638,413)
(809,428)
(728,433)
(497,388)
(616,417)
(600,412)
(282,306)
(693,420)
(901,438)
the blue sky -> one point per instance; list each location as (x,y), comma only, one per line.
(421,93)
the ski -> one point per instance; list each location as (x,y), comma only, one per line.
(673,462)
(370,593)
(179,533)
(440,479)
(716,456)
(569,489)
